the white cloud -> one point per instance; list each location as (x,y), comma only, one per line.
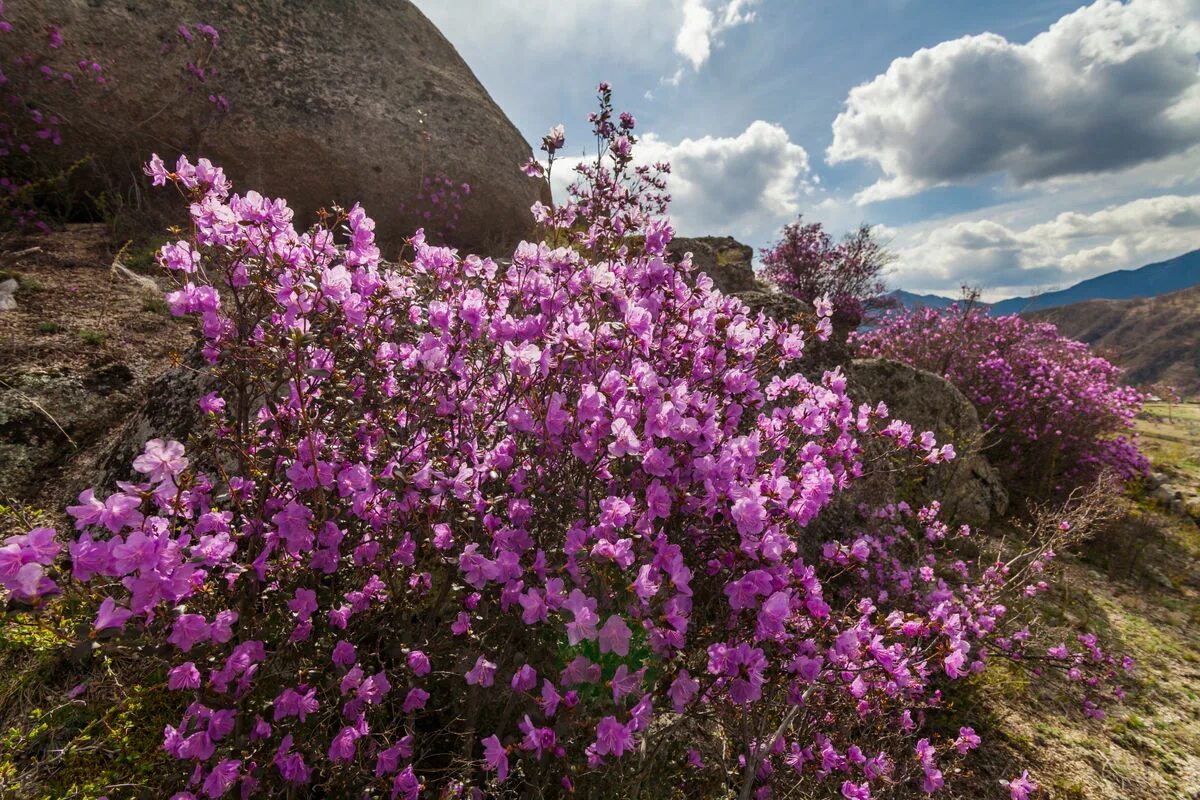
(1073,246)
(746,186)
(1108,87)
(703,22)
(634,33)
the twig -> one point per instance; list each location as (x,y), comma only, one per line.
(18,253)
(38,406)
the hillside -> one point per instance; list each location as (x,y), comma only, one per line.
(1151,280)
(911,300)
(1154,339)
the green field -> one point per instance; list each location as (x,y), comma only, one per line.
(1170,437)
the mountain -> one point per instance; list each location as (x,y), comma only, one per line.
(1148,281)
(912,301)
(1153,339)
(1125,284)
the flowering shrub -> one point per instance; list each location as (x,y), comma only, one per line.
(455,527)
(1056,413)
(808,264)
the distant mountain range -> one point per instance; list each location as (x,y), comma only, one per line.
(1151,280)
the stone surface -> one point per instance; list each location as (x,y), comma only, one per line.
(969,487)
(170,410)
(727,261)
(331,101)
(46,415)
(8,288)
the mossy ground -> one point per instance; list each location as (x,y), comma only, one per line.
(1137,583)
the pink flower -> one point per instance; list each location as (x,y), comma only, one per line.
(221,778)
(612,737)
(111,615)
(483,673)
(184,676)
(161,460)
(188,631)
(415,700)
(614,636)
(418,662)
(524,679)
(495,757)
(1020,788)
(344,654)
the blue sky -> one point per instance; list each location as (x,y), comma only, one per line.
(1014,146)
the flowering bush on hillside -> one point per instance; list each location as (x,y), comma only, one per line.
(808,264)
(455,528)
(1057,414)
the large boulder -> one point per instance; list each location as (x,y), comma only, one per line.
(968,487)
(331,101)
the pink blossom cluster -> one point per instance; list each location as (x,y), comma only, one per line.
(1057,414)
(453,526)
(807,263)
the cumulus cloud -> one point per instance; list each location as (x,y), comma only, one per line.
(1108,87)
(1069,248)
(703,22)
(747,185)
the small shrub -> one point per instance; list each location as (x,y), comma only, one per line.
(48,327)
(808,264)
(92,338)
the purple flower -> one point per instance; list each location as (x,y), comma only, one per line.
(111,615)
(188,631)
(418,662)
(161,460)
(184,676)
(524,679)
(344,654)
(291,703)
(222,777)
(614,636)
(483,673)
(1020,788)
(495,757)
(415,700)
(612,738)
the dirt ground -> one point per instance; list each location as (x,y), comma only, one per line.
(75,355)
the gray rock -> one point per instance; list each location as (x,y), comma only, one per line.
(727,261)
(969,487)
(8,288)
(170,410)
(331,101)
(47,415)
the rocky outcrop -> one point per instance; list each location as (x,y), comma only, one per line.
(47,414)
(969,487)
(331,101)
(170,411)
(1175,494)
(727,261)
